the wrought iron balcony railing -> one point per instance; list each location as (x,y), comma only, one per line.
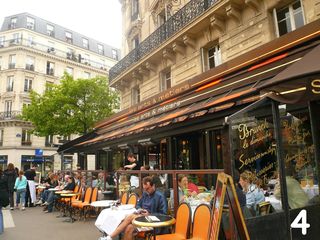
(10,115)
(48,49)
(179,20)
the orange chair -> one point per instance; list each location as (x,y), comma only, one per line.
(87,207)
(124,198)
(78,206)
(182,226)
(133,199)
(201,222)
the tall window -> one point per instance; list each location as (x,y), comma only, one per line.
(50,68)
(85,43)
(2,40)
(289,18)
(27,84)
(69,70)
(162,17)
(0,62)
(30,23)
(10,81)
(1,136)
(49,141)
(12,61)
(13,23)
(100,49)
(165,80)
(30,41)
(135,95)
(86,75)
(69,37)
(114,54)
(135,42)
(7,108)
(26,138)
(134,9)
(50,30)
(30,63)
(211,57)
(15,38)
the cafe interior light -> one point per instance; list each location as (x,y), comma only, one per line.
(145,142)
(123,146)
(107,149)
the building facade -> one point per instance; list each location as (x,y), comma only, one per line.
(34,52)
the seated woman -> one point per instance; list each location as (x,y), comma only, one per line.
(183,189)
(254,194)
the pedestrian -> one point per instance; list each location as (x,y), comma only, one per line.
(4,198)
(10,172)
(30,174)
(21,187)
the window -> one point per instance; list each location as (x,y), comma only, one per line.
(2,40)
(100,49)
(13,23)
(165,80)
(289,18)
(69,37)
(162,17)
(49,141)
(1,136)
(26,138)
(30,41)
(50,30)
(12,61)
(211,57)
(27,85)
(0,62)
(69,70)
(114,54)
(86,59)
(134,9)
(10,81)
(30,23)
(50,68)
(30,63)
(86,75)
(85,43)
(7,108)
(135,93)
(135,42)
(15,39)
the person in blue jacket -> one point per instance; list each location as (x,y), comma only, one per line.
(151,202)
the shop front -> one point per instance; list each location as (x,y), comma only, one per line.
(3,161)
(43,164)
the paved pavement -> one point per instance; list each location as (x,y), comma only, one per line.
(34,224)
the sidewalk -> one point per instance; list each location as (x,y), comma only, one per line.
(34,224)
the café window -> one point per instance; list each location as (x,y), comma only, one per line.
(299,155)
(50,30)
(289,18)
(253,151)
(30,23)
(211,57)
(27,84)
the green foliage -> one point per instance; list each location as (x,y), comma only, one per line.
(72,107)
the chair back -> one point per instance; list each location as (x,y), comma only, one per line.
(201,222)
(124,198)
(133,199)
(94,195)
(183,220)
(87,195)
(76,190)
(264,208)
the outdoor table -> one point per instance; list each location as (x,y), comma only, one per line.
(275,203)
(154,221)
(103,203)
(69,195)
(54,189)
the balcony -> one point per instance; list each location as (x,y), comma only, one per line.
(10,115)
(186,15)
(26,143)
(51,50)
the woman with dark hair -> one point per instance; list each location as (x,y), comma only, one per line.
(4,198)
(10,172)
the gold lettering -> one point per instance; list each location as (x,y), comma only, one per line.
(316,86)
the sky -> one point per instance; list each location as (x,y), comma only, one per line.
(97,19)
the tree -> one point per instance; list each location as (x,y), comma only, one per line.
(71,107)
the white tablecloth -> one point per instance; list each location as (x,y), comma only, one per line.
(276,204)
(110,218)
(32,188)
(103,203)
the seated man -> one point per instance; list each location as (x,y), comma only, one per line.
(152,201)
